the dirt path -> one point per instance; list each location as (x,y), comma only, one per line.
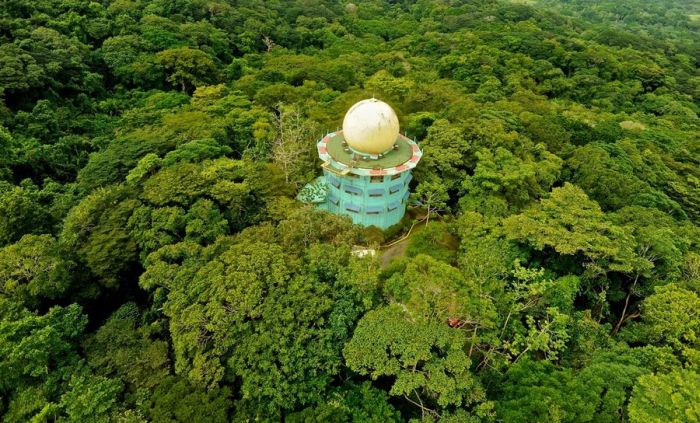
(396,250)
(399,249)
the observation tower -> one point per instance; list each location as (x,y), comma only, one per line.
(366,167)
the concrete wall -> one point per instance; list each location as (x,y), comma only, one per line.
(361,193)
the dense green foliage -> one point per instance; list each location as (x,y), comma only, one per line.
(155,266)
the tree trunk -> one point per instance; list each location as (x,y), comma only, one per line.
(624,309)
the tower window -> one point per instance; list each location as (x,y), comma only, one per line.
(395,177)
(375,192)
(373,209)
(352,190)
(352,208)
(395,188)
(393,206)
(376,179)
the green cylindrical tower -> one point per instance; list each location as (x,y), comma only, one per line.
(366,167)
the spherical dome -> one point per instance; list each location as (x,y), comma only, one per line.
(371,126)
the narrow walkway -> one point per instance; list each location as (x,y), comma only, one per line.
(397,248)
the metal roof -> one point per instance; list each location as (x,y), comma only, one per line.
(340,158)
